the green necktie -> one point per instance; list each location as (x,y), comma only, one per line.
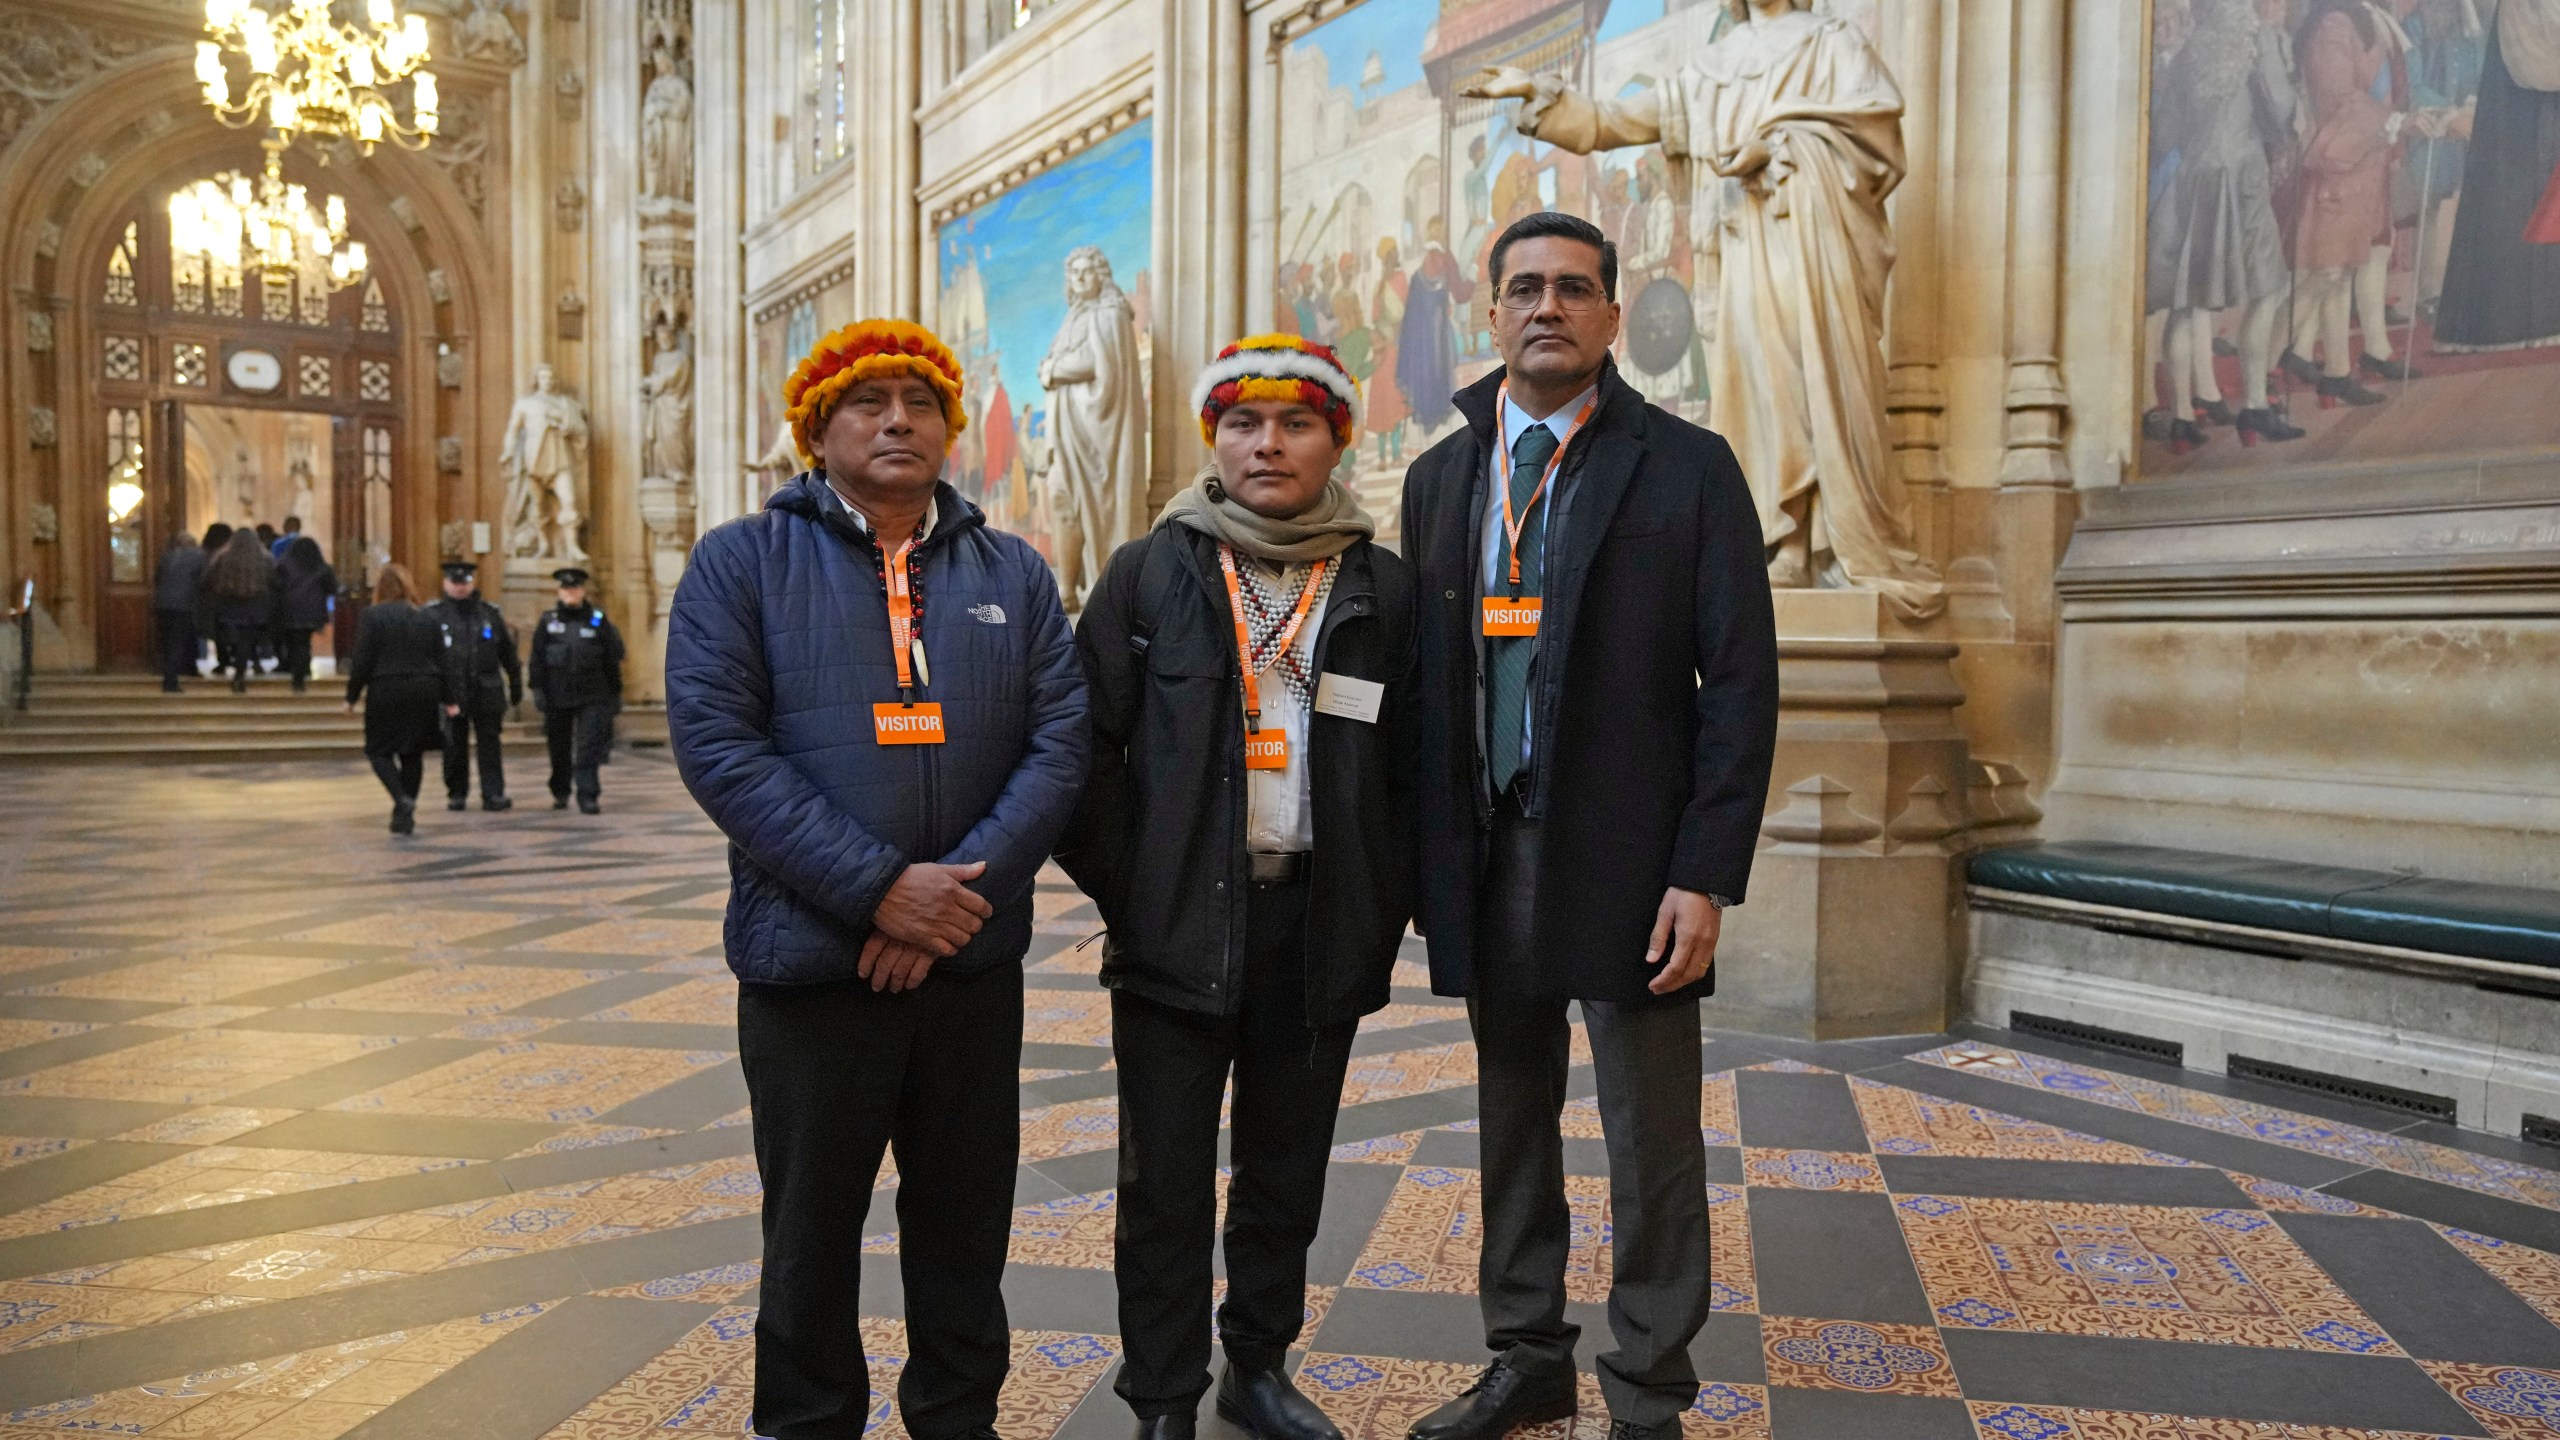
(1506,657)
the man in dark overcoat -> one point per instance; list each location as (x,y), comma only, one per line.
(1597,709)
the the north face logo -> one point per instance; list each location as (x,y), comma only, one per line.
(987,614)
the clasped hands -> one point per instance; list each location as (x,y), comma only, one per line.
(929,913)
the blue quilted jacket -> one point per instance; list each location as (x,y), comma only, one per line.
(776,652)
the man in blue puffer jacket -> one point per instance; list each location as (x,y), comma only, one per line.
(876,697)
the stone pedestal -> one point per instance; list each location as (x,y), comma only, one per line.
(528,590)
(1855,919)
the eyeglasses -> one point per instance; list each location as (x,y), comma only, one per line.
(1573,293)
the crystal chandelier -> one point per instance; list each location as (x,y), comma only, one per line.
(231,224)
(307,72)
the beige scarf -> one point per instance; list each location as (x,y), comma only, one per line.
(1331,526)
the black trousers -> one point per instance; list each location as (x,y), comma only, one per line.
(178,644)
(580,735)
(240,647)
(1646,1056)
(400,773)
(1174,1066)
(293,651)
(484,721)
(836,1074)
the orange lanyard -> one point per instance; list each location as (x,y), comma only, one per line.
(1511,527)
(1244,633)
(902,617)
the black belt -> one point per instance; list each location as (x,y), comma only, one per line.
(1283,869)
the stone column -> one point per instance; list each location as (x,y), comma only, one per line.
(667,156)
(1854,921)
(1915,399)
(719,325)
(1201,182)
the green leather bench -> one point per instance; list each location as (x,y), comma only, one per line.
(2249,902)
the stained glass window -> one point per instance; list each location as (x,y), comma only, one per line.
(121,357)
(120,266)
(124,494)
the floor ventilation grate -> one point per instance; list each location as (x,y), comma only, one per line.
(2541,1129)
(2098,1037)
(2364,1092)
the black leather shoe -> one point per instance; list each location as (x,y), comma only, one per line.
(1181,1425)
(559,802)
(457,802)
(496,802)
(1630,1430)
(1267,1406)
(590,807)
(1501,1400)
(404,817)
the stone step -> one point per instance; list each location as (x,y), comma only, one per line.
(205,749)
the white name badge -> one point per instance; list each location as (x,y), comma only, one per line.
(1351,699)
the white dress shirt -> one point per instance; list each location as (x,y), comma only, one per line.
(1497,543)
(1279,804)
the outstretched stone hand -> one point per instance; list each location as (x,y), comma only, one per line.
(1500,82)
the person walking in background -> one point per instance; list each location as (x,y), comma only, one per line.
(482,682)
(875,697)
(398,674)
(577,684)
(173,608)
(1251,853)
(216,536)
(306,589)
(1598,715)
(242,583)
(285,536)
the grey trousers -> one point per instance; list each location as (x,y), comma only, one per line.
(1647,1061)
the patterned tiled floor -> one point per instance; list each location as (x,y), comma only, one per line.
(305,1132)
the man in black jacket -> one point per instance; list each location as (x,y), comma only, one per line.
(1598,708)
(480,666)
(174,599)
(1246,834)
(577,683)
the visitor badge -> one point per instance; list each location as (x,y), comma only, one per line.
(1349,698)
(918,724)
(1266,750)
(1516,617)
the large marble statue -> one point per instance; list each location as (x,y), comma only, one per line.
(544,459)
(1097,475)
(666,131)
(1798,131)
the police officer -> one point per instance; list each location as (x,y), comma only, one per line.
(577,682)
(482,674)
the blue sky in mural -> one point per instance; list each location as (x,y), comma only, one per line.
(1394,31)
(1021,238)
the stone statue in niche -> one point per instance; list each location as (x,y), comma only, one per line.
(487,34)
(544,459)
(666,131)
(1790,129)
(1096,481)
(304,501)
(569,204)
(666,397)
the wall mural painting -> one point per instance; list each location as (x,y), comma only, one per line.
(781,336)
(1045,297)
(2353,232)
(1393,186)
